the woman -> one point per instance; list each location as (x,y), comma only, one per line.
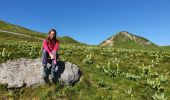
(50,47)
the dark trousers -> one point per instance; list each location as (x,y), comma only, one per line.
(45,59)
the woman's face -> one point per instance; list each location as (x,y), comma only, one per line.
(52,33)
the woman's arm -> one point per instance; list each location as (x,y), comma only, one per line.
(56,46)
(54,51)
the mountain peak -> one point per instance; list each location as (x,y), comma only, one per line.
(124,37)
(125,34)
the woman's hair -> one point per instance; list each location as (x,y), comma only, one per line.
(54,38)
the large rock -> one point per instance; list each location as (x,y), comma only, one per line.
(28,72)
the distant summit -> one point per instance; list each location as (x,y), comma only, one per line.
(125,37)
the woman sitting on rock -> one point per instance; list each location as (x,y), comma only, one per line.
(50,47)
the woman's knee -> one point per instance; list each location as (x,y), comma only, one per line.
(44,56)
(44,51)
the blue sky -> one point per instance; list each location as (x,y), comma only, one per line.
(92,21)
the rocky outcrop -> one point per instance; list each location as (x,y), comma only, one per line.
(28,72)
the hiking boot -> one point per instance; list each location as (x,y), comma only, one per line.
(56,68)
(45,69)
(51,76)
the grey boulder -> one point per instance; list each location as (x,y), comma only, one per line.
(28,72)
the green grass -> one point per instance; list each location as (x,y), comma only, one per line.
(94,83)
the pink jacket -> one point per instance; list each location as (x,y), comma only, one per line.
(52,47)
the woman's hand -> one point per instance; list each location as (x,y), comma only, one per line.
(51,56)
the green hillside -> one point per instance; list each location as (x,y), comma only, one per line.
(69,40)
(27,34)
(166,47)
(7,36)
(18,29)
